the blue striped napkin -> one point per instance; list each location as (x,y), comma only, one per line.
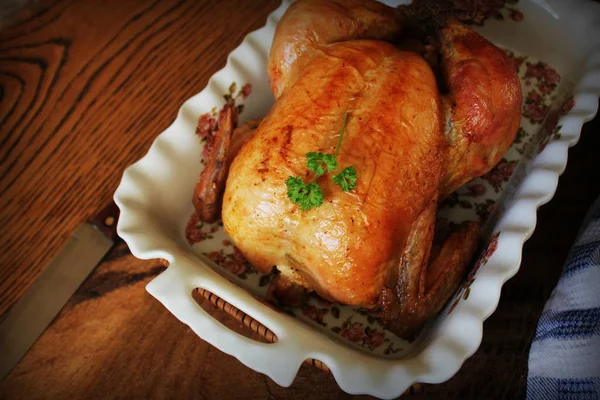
(564,359)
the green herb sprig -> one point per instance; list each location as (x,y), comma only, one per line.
(309,195)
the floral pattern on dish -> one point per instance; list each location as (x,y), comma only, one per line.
(471,12)
(208,122)
(465,290)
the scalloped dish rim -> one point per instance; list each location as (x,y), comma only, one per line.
(453,340)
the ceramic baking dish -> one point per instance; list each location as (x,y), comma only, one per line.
(556,48)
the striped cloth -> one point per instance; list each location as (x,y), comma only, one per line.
(564,360)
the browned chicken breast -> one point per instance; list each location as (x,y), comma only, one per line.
(333,69)
(345,249)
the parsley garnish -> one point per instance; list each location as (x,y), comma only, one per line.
(309,195)
(305,195)
(346,179)
(318,162)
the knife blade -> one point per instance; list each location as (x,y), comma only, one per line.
(34,311)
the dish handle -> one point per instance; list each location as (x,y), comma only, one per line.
(173,288)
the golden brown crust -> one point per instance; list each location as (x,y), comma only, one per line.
(309,25)
(483,107)
(369,247)
(424,287)
(346,248)
(209,189)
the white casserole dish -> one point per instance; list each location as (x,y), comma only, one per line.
(155,202)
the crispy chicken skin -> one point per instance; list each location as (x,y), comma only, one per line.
(211,183)
(345,249)
(309,25)
(413,140)
(483,108)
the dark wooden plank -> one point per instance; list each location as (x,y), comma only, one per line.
(83,96)
(113,340)
(73,75)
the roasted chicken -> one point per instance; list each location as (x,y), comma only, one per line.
(412,138)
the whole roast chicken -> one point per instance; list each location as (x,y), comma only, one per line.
(418,121)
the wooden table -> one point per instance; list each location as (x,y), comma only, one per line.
(86,87)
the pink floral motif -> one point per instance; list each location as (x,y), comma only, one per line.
(520,139)
(516,15)
(234,263)
(485,255)
(535,112)
(545,88)
(374,338)
(216,256)
(492,246)
(314,313)
(475,11)
(568,105)
(195,231)
(517,62)
(207,126)
(534,70)
(485,8)
(483,259)
(246,90)
(483,210)
(534,97)
(507,169)
(238,255)
(354,332)
(551,124)
(500,174)
(534,107)
(234,266)
(550,75)
(476,190)
(208,123)
(544,143)
(546,80)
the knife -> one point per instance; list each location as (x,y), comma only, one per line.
(34,311)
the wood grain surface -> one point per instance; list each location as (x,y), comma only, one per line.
(85,88)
